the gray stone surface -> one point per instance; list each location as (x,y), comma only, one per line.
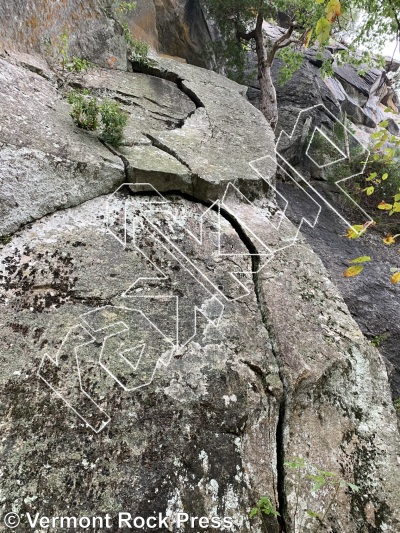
(270,363)
(170,141)
(45,162)
(371,298)
(173,27)
(36,26)
(216,147)
(210,433)
(358,94)
(199,439)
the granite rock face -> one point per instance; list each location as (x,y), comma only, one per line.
(363,96)
(168,353)
(37,26)
(204,427)
(46,163)
(173,141)
(173,27)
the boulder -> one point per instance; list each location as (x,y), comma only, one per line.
(215,147)
(168,121)
(203,427)
(45,162)
(371,298)
(171,353)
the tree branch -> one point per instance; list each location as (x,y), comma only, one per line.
(246,36)
(283,41)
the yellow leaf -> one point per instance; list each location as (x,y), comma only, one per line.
(384,206)
(396,208)
(308,38)
(355,231)
(319,1)
(353,271)
(362,259)
(333,10)
(389,239)
(395,278)
(385,177)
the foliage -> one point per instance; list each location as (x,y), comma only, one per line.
(138,48)
(358,267)
(125,7)
(307,480)
(60,49)
(89,115)
(396,404)
(309,22)
(140,51)
(113,120)
(5,239)
(378,340)
(292,61)
(236,18)
(264,506)
(78,65)
(85,110)
(376,190)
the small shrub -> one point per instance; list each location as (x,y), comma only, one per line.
(113,120)
(125,7)
(85,110)
(58,51)
(78,65)
(306,480)
(140,50)
(396,404)
(264,507)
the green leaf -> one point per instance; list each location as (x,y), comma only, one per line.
(369,190)
(319,484)
(355,231)
(396,208)
(311,513)
(354,488)
(323,30)
(385,177)
(363,259)
(384,124)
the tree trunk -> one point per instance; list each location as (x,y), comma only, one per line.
(268,101)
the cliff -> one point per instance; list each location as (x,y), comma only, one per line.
(168,341)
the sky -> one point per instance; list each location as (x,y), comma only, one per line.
(390,48)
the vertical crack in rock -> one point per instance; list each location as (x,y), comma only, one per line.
(280,428)
(117,153)
(256,261)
